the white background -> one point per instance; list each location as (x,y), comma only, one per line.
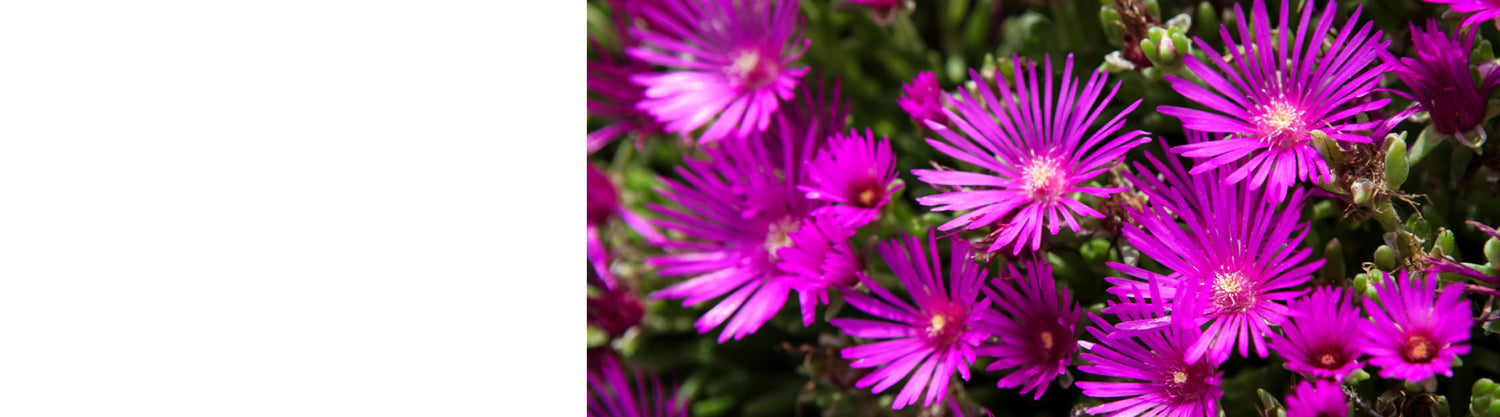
(291,208)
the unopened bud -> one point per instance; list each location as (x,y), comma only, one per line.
(1149,48)
(1385,258)
(1154,8)
(1181,43)
(1155,33)
(1363,190)
(1167,52)
(1395,161)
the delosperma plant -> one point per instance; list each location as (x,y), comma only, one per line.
(1042,207)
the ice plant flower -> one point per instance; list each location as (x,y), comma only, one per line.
(1320,399)
(924,99)
(1415,331)
(819,258)
(1273,96)
(933,334)
(1036,322)
(1441,82)
(735,215)
(732,58)
(1327,341)
(612,393)
(1483,10)
(603,205)
(611,94)
(1235,257)
(1165,384)
(855,172)
(1039,144)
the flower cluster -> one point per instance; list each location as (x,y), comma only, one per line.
(1184,261)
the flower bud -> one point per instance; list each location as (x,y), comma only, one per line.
(1149,48)
(1167,52)
(1395,160)
(1184,46)
(1385,258)
(1363,190)
(1154,8)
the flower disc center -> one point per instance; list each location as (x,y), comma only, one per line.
(751,69)
(1232,292)
(945,328)
(778,236)
(1419,349)
(1281,125)
(1042,178)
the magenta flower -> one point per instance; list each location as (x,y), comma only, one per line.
(1234,264)
(1441,82)
(1040,146)
(936,337)
(924,99)
(1270,99)
(614,394)
(734,59)
(1327,340)
(611,94)
(1416,332)
(1325,399)
(736,215)
(1036,324)
(856,173)
(1165,384)
(603,205)
(1483,9)
(819,258)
